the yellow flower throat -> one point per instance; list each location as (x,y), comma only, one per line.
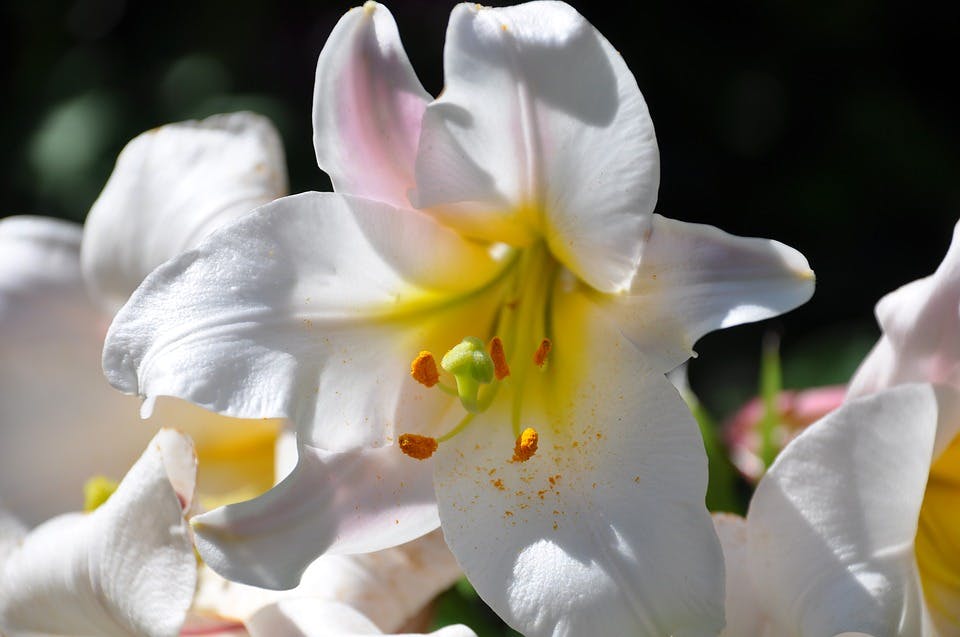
(479,368)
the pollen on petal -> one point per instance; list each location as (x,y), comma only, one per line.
(424,369)
(416,446)
(540,356)
(500,368)
(526,445)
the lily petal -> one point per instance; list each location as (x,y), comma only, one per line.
(351,502)
(541,131)
(287,312)
(743,614)
(53,399)
(390,587)
(695,279)
(920,323)
(127,568)
(612,501)
(307,618)
(845,497)
(171,187)
(367,107)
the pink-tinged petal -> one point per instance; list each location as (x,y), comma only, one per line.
(308,618)
(391,587)
(367,107)
(604,529)
(831,526)
(62,422)
(352,502)
(920,323)
(171,187)
(541,131)
(310,309)
(127,568)
(695,279)
(744,616)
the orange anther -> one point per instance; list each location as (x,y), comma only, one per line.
(540,356)
(526,445)
(424,369)
(416,446)
(500,368)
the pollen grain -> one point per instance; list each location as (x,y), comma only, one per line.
(424,369)
(526,445)
(417,446)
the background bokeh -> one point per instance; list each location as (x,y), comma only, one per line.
(826,125)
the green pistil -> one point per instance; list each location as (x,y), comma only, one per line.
(472,367)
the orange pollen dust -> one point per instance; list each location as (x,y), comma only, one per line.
(500,368)
(416,446)
(540,356)
(424,369)
(526,445)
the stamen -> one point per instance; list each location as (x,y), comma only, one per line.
(417,446)
(526,445)
(424,369)
(500,368)
(540,356)
(96,491)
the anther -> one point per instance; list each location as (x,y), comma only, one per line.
(526,445)
(540,356)
(417,446)
(500,368)
(424,369)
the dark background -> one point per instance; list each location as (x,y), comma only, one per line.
(826,125)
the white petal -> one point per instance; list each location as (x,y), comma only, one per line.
(127,568)
(367,107)
(604,530)
(920,323)
(310,309)
(390,587)
(832,524)
(350,502)
(308,618)
(171,187)
(62,422)
(541,130)
(743,613)
(11,534)
(695,279)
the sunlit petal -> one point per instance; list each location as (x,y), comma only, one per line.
(367,107)
(612,501)
(350,502)
(831,526)
(695,279)
(541,131)
(309,309)
(171,187)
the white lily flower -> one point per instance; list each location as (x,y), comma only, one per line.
(921,324)
(571,490)
(171,186)
(128,568)
(855,526)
